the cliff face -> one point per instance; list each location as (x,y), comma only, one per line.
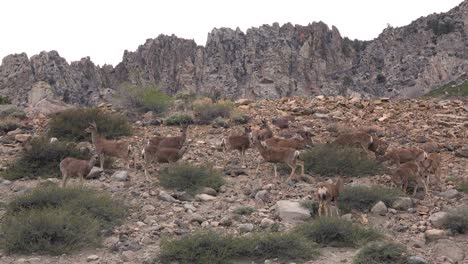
(264,62)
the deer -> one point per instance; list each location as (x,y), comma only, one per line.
(402,155)
(410,172)
(71,167)
(171,142)
(240,143)
(153,153)
(263,133)
(359,139)
(328,192)
(296,143)
(106,147)
(431,165)
(275,155)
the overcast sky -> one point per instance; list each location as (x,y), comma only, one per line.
(103,29)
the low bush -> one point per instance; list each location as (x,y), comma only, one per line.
(4,100)
(57,220)
(178,120)
(244,210)
(187,177)
(450,90)
(337,232)
(71,124)
(12,112)
(329,160)
(220,122)
(240,119)
(42,159)
(381,253)
(457,220)
(144,99)
(214,248)
(8,124)
(205,113)
(362,198)
(310,205)
(463,186)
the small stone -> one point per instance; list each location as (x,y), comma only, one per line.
(263,196)
(417,260)
(225,221)
(6,182)
(403,203)
(348,217)
(449,194)
(204,197)
(197,218)
(245,228)
(22,137)
(95,173)
(450,249)
(291,211)
(148,208)
(120,175)
(92,258)
(167,197)
(392,211)
(379,208)
(209,191)
(128,256)
(266,223)
(434,234)
(437,219)
(190,207)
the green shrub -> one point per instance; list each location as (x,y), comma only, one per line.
(457,220)
(220,122)
(4,100)
(330,160)
(310,205)
(337,232)
(52,230)
(187,177)
(57,220)
(206,113)
(381,253)
(240,119)
(244,210)
(178,120)
(42,159)
(362,198)
(450,90)
(441,27)
(144,99)
(8,125)
(214,248)
(463,186)
(12,112)
(80,200)
(71,124)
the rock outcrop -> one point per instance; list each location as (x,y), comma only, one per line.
(270,61)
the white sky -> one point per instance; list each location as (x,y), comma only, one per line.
(103,29)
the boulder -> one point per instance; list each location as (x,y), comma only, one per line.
(449,194)
(434,234)
(204,197)
(403,203)
(437,219)
(291,211)
(120,176)
(379,208)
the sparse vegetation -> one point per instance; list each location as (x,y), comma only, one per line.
(8,124)
(329,160)
(244,210)
(239,119)
(57,220)
(450,90)
(42,159)
(463,186)
(362,198)
(457,220)
(191,178)
(4,100)
(337,232)
(441,26)
(220,122)
(381,253)
(144,99)
(215,248)
(311,205)
(71,124)
(381,78)
(12,112)
(178,120)
(206,111)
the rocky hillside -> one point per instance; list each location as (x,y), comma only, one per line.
(270,61)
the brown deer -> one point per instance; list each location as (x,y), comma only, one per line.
(171,142)
(431,165)
(240,143)
(402,155)
(152,153)
(71,167)
(296,143)
(328,192)
(275,155)
(409,172)
(110,148)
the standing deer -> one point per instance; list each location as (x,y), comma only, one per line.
(71,167)
(328,192)
(240,143)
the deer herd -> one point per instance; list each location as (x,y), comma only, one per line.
(414,165)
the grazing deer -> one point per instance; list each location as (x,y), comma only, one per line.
(410,172)
(288,156)
(431,165)
(356,139)
(152,153)
(296,143)
(402,155)
(263,133)
(71,167)
(171,142)
(106,147)
(240,143)
(328,192)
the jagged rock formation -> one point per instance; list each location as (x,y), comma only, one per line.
(265,62)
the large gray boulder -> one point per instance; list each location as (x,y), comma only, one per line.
(291,211)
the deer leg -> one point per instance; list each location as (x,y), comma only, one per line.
(258,167)
(336,207)
(415,189)
(64,180)
(275,169)
(101,160)
(242,154)
(81,181)
(302,167)
(320,208)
